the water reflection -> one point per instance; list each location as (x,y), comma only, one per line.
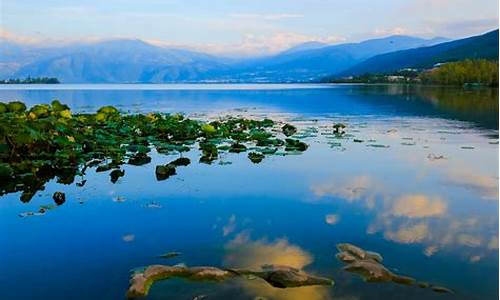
(425,202)
(243,252)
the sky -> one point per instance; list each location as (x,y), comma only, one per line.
(241,27)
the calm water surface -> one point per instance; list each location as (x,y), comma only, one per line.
(432,219)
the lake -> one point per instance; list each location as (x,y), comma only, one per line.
(415,178)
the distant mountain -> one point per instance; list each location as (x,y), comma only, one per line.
(128,61)
(482,46)
(119,61)
(304,47)
(306,64)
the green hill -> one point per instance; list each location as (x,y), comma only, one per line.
(482,46)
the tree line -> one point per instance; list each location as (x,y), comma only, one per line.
(478,72)
(30,80)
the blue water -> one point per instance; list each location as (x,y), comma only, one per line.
(433,219)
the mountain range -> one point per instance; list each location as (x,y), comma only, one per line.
(133,61)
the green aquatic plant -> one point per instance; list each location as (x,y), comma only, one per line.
(295,145)
(288,129)
(165,171)
(255,157)
(48,141)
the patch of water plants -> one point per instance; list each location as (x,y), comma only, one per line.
(48,141)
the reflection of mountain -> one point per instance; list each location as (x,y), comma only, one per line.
(473,105)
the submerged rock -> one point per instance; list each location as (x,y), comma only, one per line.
(368,265)
(277,276)
(59,198)
(285,277)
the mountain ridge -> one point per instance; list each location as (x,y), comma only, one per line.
(137,61)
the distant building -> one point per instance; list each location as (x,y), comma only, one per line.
(393,78)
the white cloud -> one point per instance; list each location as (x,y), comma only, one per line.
(266,17)
(255,45)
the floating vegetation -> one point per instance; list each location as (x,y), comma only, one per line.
(408,143)
(433,157)
(295,145)
(59,198)
(339,128)
(169,255)
(467,147)
(255,157)
(116,174)
(378,146)
(358,141)
(288,129)
(368,265)
(276,276)
(165,171)
(48,141)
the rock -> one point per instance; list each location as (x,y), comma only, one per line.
(285,277)
(141,282)
(368,265)
(370,270)
(345,257)
(354,250)
(277,276)
(374,255)
(164,171)
(59,198)
(288,129)
(116,174)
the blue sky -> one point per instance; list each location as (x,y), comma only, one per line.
(242,26)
